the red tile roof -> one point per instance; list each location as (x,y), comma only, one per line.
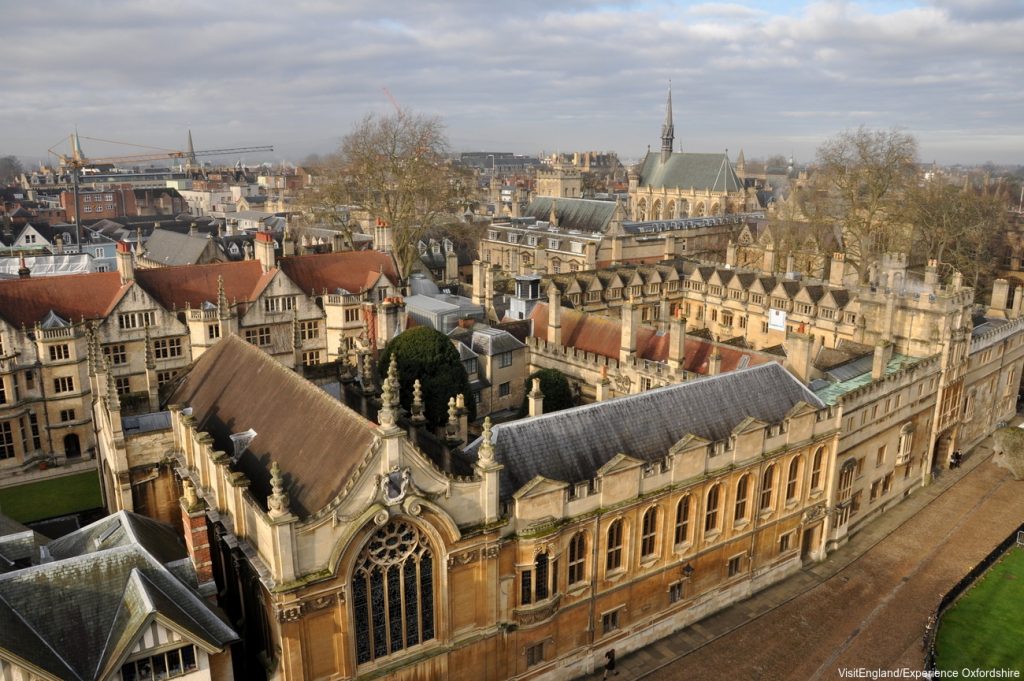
(173,287)
(603,336)
(353,271)
(92,296)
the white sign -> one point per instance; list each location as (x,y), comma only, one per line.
(777,320)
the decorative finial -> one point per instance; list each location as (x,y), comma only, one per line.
(223,311)
(113,401)
(277,502)
(417,402)
(386,416)
(369,387)
(453,413)
(486,448)
(393,380)
(189,493)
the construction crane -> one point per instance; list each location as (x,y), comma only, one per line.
(76,161)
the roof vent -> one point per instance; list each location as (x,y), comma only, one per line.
(107,533)
(241,442)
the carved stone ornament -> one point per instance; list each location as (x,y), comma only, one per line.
(289,613)
(464,558)
(395,485)
(381,518)
(536,614)
(814,512)
(623,383)
(492,551)
(321,602)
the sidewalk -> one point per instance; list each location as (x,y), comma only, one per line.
(641,663)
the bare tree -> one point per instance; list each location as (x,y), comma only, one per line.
(861,182)
(10,169)
(960,226)
(395,169)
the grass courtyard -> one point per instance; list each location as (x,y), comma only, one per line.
(51,498)
(983,630)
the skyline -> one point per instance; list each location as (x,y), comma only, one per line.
(525,78)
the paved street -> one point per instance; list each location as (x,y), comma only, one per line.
(867,605)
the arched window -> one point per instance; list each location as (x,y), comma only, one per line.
(741,498)
(670,211)
(794,472)
(846,479)
(905,443)
(656,210)
(540,582)
(711,514)
(767,486)
(817,465)
(641,210)
(614,556)
(577,558)
(648,532)
(683,520)
(393,592)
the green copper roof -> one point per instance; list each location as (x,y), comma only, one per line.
(831,393)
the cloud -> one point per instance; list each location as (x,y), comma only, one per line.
(526,76)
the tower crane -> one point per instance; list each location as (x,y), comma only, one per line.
(76,160)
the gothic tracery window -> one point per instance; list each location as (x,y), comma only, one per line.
(393,591)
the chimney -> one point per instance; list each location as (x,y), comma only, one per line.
(883,353)
(669,251)
(263,245)
(125,262)
(58,244)
(837,270)
(1015,311)
(931,273)
(630,330)
(536,399)
(715,363)
(790,267)
(1000,294)
(730,254)
(604,385)
(768,262)
(478,282)
(192,230)
(337,242)
(23,271)
(197,538)
(554,315)
(677,343)
(451,265)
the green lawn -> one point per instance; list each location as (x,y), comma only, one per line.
(983,630)
(51,498)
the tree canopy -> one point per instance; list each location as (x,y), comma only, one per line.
(428,355)
(861,182)
(556,389)
(10,169)
(395,169)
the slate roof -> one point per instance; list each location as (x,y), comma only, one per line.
(686,170)
(353,271)
(75,617)
(173,287)
(235,386)
(488,341)
(573,444)
(170,248)
(585,215)
(92,296)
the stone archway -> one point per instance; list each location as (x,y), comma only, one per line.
(72,446)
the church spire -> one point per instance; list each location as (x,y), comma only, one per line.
(190,153)
(668,130)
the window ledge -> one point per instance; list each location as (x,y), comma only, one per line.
(615,575)
(648,561)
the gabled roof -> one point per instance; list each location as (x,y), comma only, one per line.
(685,170)
(234,386)
(352,271)
(76,617)
(77,296)
(643,426)
(170,248)
(585,215)
(173,287)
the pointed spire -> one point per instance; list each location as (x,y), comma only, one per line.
(741,161)
(190,159)
(668,130)
(486,447)
(277,502)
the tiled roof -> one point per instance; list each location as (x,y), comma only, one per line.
(686,170)
(92,296)
(642,426)
(173,287)
(352,271)
(235,386)
(603,336)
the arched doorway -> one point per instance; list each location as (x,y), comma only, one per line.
(72,446)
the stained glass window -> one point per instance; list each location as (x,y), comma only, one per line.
(393,592)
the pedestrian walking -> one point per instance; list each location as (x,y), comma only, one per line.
(609,665)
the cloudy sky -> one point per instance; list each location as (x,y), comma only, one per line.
(767,76)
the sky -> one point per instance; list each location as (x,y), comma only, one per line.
(529,76)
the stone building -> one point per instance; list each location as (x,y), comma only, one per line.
(150,323)
(116,599)
(672,185)
(550,540)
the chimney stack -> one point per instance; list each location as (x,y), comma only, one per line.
(536,399)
